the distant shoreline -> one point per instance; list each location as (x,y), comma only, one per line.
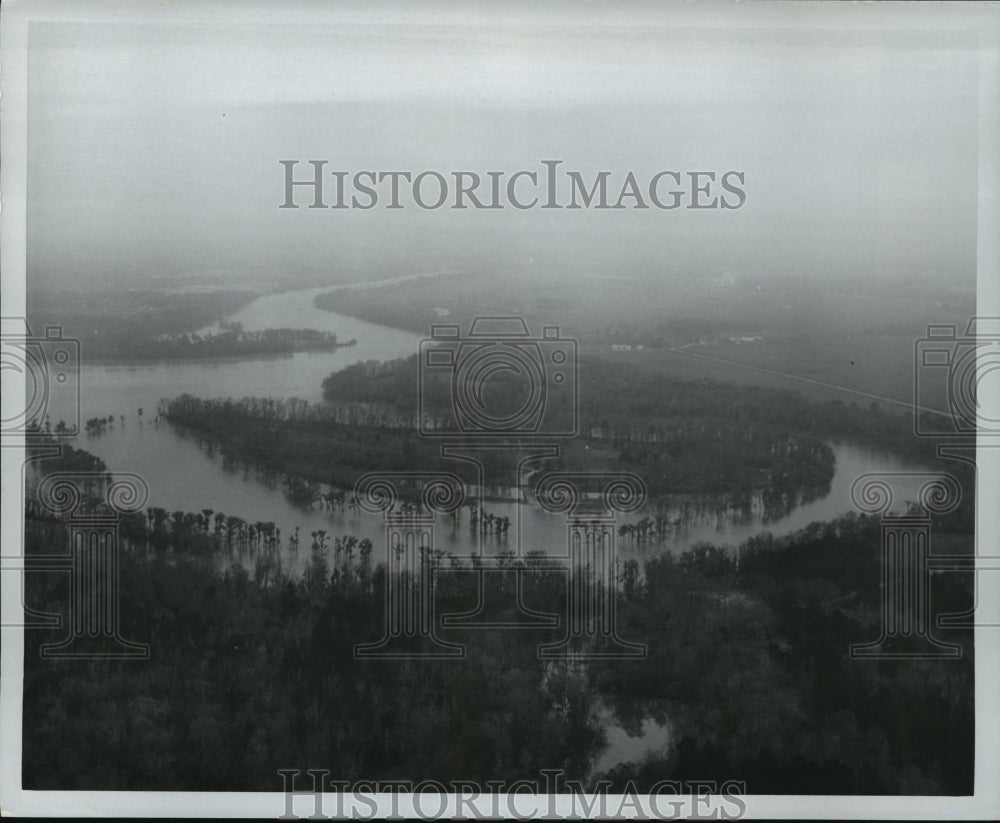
(212,359)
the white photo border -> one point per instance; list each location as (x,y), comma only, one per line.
(15,18)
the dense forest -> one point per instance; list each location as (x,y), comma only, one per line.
(233,341)
(625,403)
(252,671)
(697,439)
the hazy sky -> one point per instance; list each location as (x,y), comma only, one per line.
(154,146)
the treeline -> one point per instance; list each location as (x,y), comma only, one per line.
(680,436)
(252,671)
(232,342)
(390,382)
(625,403)
(59,456)
(108,323)
(748,662)
(307,443)
(393,385)
(284,410)
(732,461)
(336,443)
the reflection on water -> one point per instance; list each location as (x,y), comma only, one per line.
(182,476)
(622,747)
(124,389)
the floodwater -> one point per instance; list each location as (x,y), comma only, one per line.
(182,476)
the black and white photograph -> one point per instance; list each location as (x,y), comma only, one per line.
(514,410)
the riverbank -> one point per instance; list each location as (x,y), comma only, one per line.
(337,443)
(184,474)
(230,345)
(723,637)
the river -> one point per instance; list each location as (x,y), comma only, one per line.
(182,476)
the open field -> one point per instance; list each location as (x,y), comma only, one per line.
(858,369)
(852,344)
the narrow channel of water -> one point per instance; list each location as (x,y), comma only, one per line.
(182,476)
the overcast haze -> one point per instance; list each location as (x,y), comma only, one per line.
(154,149)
